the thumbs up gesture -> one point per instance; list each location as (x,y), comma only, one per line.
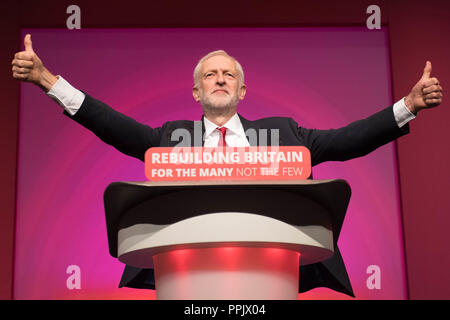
(26,66)
(427,93)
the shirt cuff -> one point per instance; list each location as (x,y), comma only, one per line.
(401,113)
(66,96)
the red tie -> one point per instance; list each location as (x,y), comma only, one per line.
(222,142)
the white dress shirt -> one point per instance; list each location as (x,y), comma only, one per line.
(235,135)
(71,100)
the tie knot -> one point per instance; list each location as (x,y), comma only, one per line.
(222,130)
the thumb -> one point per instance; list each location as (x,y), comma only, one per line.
(427,71)
(28,44)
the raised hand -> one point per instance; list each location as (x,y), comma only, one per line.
(26,66)
(427,93)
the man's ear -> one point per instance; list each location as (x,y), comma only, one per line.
(242,92)
(196,94)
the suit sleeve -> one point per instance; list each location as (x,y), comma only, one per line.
(354,140)
(124,133)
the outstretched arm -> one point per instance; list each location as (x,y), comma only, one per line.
(354,140)
(364,136)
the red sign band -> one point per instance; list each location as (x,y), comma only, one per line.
(243,163)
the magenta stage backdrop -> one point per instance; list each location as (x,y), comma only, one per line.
(322,77)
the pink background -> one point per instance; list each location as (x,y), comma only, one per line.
(321,77)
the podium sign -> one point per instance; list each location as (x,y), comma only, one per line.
(238,163)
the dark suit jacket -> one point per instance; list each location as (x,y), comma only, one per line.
(354,140)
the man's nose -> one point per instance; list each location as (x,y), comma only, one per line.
(220,79)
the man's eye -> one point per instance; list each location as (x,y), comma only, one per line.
(230,74)
(209,75)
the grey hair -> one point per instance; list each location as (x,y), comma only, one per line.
(198,67)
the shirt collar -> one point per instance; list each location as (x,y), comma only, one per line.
(234,125)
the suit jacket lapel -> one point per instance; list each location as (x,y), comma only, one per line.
(193,138)
(251,130)
(203,132)
(256,135)
(197,131)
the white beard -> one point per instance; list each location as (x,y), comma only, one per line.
(218,104)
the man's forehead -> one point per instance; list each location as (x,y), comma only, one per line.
(219,62)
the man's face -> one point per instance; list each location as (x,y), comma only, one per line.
(219,85)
